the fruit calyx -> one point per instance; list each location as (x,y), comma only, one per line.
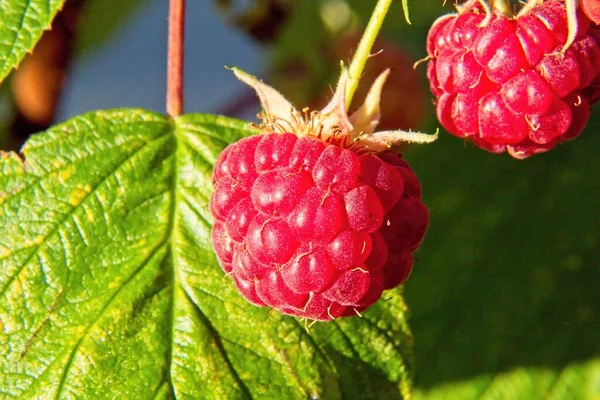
(502,7)
(332,124)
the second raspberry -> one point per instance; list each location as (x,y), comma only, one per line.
(504,84)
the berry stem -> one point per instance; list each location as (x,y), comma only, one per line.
(363,51)
(175,58)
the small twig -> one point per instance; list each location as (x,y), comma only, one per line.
(175,58)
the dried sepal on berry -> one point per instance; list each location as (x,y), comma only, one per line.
(366,118)
(332,124)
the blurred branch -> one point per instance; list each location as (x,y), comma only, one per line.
(37,85)
(241,105)
(262,20)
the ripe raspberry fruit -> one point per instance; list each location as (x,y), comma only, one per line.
(315,218)
(514,84)
(591,8)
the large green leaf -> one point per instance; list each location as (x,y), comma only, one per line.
(505,301)
(22,23)
(110,289)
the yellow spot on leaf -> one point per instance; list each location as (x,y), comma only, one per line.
(4,252)
(89,215)
(77,195)
(17,288)
(65,174)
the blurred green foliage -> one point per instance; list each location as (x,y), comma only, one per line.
(102,19)
(504,296)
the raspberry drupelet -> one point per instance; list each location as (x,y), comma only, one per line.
(315,217)
(521,84)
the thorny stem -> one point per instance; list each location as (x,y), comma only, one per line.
(175,58)
(363,51)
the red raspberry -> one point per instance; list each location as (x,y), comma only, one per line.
(504,84)
(313,229)
(311,224)
(591,8)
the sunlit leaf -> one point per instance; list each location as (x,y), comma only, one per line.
(110,288)
(504,301)
(22,23)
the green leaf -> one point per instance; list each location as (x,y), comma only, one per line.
(22,23)
(405,10)
(110,288)
(505,301)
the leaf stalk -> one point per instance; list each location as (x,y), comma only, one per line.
(175,57)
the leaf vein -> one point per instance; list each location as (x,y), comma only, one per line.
(45,238)
(101,313)
(557,380)
(354,353)
(219,344)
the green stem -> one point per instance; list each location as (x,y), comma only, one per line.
(363,51)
